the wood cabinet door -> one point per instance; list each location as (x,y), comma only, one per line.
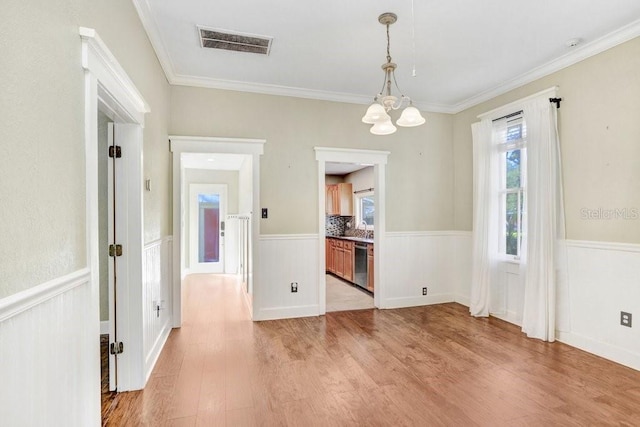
(327,254)
(332,200)
(345,199)
(370,286)
(348,261)
(338,259)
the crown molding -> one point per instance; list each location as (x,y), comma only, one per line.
(153,33)
(595,47)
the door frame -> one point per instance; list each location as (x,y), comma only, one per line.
(193,227)
(108,88)
(213,145)
(370,157)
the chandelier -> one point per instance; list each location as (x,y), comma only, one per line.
(378,113)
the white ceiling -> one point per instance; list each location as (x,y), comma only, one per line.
(466,51)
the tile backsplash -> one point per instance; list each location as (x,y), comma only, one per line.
(335,225)
(345,226)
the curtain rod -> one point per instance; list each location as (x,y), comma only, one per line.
(516,113)
(363,191)
(518,104)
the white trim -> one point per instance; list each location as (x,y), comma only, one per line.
(437,233)
(581,53)
(508,316)
(516,105)
(378,159)
(98,59)
(608,351)
(158,242)
(418,301)
(22,301)
(576,55)
(461,299)
(288,312)
(196,144)
(156,349)
(151,28)
(605,246)
(108,86)
(288,236)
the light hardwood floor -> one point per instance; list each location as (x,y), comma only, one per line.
(424,366)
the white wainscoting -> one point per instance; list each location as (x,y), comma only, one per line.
(285,259)
(157,274)
(604,279)
(437,260)
(50,354)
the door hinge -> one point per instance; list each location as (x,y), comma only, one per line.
(115,151)
(115,250)
(116,348)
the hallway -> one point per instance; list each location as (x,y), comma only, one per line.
(432,365)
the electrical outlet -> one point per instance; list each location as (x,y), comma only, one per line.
(625,319)
(294,286)
(265,213)
(424,291)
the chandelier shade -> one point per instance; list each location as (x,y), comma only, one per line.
(383,128)
(378,113)
(375,114)
(410,117)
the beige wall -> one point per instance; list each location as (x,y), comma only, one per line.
(42,174)
(599,123)
(419,172)
(362,179)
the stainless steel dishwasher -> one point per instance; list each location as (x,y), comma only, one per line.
(360,269)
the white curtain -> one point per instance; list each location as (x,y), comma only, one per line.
(485,217)
(543,222)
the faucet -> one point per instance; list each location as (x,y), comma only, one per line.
(366,233)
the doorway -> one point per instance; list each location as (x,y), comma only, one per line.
(349,231)
(207,208)
(109,89)
(209,156)
(378,160)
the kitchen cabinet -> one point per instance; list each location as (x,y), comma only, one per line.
(339,259)
(370,267)
(347,253)
(339,199)
(331,249)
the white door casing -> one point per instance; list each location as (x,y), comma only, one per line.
(379,160)
(190,144)
(110,90)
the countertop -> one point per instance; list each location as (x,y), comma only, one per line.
(351,238)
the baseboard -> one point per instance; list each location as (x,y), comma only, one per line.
(508,316)
(154,354)
(417,301)
(287,312)
(104,327)
(461,299)
(607,351)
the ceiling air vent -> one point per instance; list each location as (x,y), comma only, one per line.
(229,40)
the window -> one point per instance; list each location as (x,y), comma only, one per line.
(512,151)
(365,209)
